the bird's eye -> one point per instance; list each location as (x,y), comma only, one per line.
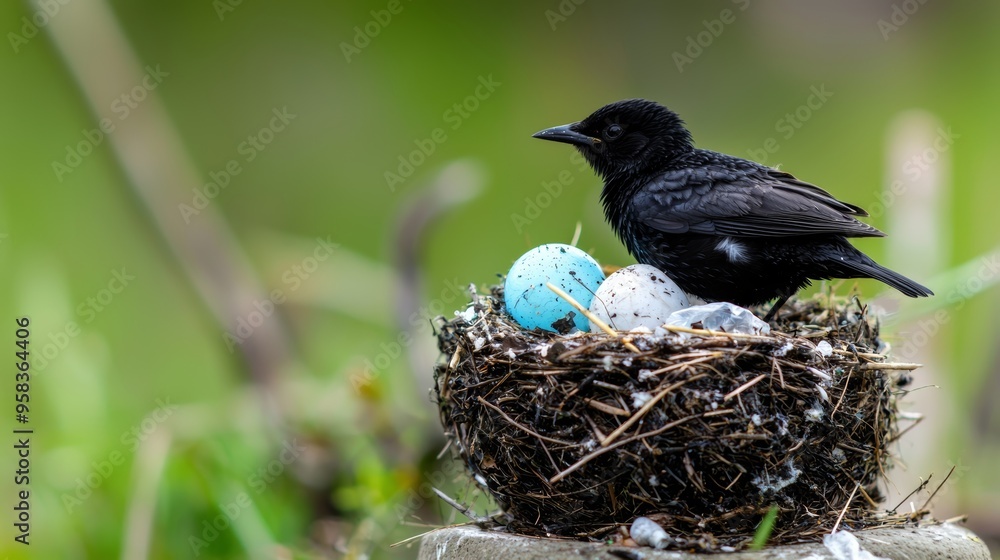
(613,131)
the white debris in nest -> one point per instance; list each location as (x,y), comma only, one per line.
(774,484)
(654,480)
(469,315)
(714,406)
(845,546)
(824,349)
(641,329)
(822,393)
(756,419)
(640,398)
(646,532)
(543,350)
(660,332)
(838,455)
(479,342)
(590,444)
(820,374)
(511,354)
(607,362)
(814,414)
(781,352)
(627,362)
(646,375)
(782,424)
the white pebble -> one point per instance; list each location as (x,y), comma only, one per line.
(646,532)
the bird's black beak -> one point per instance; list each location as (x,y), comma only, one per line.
(566,134)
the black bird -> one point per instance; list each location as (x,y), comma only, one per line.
(722,227)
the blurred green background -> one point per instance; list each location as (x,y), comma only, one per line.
(233,364)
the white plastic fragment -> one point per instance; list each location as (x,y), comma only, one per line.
(469,315)
(824,349)
(845,546)
(719,316)
(646,532)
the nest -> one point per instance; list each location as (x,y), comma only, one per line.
(704,432)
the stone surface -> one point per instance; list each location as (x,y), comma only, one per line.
(465,543)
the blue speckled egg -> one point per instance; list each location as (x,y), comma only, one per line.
(533,305)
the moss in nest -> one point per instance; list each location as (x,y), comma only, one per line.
(576,435)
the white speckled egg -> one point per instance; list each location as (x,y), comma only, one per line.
(636,296)
(532,304)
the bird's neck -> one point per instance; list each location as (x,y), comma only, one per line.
(616,197)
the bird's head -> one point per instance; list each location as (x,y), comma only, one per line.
(626,136)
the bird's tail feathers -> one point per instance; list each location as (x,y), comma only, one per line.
(871,269)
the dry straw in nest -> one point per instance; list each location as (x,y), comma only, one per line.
(576,435)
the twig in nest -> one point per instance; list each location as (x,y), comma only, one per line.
(744,387)
(522,427)
(846,507)
(934,493)
(646,408)
(923,484)
(586,313)
(604,450)
(461,509)
(889,365)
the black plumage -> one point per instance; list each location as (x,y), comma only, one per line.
(722,227)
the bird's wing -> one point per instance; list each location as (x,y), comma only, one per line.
(744,201)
